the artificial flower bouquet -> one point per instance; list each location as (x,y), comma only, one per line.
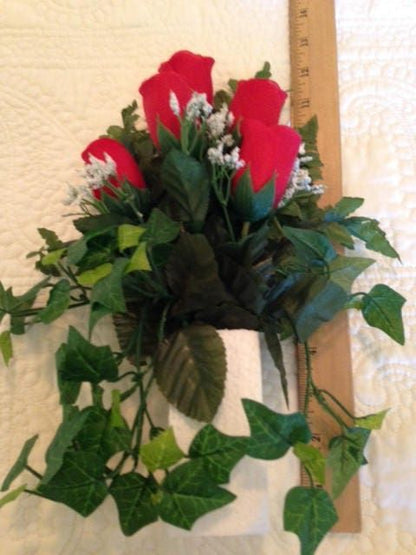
(206,219)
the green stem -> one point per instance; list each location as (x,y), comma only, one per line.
(245,229)
(228,222)
(337,402)
(33,471)
(309,381)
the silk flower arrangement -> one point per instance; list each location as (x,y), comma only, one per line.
(206,220)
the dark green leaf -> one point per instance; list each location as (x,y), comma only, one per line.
(6,346)
(382,308)
(58,302)
(160,228)
(187,181)
(312,459)
(68,390)
(368,230)
(344,207)
(217,452)
(51,239)
(345,457)
(252,206)
(108,292)
(133,495)
(338,234)
(345,269)
(371,421)
(310,514)
(275,350)
(79,483)
(188,493)
(265,72)
(161,452)
(82,361)
(77,250)
(166,138)
(272,433)
(310,245)
(309,134)
(20,464)
(190,368)
(12,495)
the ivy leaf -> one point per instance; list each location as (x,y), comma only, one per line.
(139,260)
(81,361)
(187,181)
(368,230)
(51,239)
(160,228)
(371,421)
(133,494)
(345,269)
(20,463)
(338,234)
(217,452)
(90,277)
(188,493)
(381,308)
(272,433)
(12,495)
(79,483)
(68,390)
(52,258)
(58,302)
(161,452)
(344,207)
(312,459)
(275,350)
(108,292)
(129,236)
(310,514)
(6,346)
(346,456)
(310,245)
(309,134)
(190,368)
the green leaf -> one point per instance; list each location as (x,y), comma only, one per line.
(161,229)
(79,483)
(129,236)
(345,269)
(371,421)
(188,493)
(190,368)
(382,309)
(58,302)
(275,350)
(6,346)
(187,181)
(272,433)
(139,261)
(252,206)
(161,452)
(217,452)
(345,457)
(81,361)
(344,207)
(265,72)
(12,495)
(90,277)
(108,292)
(116,420)
(52,258)
(309,134)
(51,239)
(77,250)
(310,514)
(166,138)
(310,245)
(338,234)
(368,230)
(312,459)
(68,390)
(20,463)
(133,496)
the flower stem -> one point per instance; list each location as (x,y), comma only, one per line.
(33,471)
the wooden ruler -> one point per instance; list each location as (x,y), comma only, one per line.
(314,84)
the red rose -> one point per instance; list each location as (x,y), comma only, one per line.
(269,153)
(260,99)
(125,166)
(183,74)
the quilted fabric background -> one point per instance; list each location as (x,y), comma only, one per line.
(67,67)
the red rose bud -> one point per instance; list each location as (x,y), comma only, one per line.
(115,165)
(269,153)
(259,99)
(183,74)
(194,68)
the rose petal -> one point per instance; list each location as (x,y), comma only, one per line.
(126,166)
(259,99)
(268,151)
(194,68)
(155,92)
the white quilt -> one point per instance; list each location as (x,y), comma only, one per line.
(66,69)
